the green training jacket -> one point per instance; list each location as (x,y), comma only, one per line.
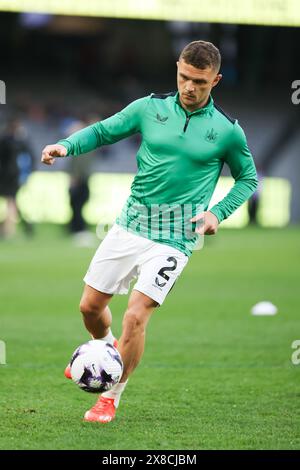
(179,163)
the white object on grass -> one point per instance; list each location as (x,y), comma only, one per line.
(264,308)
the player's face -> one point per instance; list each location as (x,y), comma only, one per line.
(194,85)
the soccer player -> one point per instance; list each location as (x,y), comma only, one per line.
(186,139)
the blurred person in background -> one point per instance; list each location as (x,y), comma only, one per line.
(79,193)
(16,163)
(186,139)
(254,200)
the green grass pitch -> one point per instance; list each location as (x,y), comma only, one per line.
(212,376)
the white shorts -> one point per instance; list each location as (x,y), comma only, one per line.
(123,256)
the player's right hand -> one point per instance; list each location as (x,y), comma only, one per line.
(51,151)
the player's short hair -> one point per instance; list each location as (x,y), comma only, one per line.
(202,54)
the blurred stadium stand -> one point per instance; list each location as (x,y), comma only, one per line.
(60,70)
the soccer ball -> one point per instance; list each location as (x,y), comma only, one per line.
(96,366)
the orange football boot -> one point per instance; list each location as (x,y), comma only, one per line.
(103,411)
(68,372)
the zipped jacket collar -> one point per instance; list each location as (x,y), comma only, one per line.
(207,109)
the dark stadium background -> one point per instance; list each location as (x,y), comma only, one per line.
(58,68)
(223,379)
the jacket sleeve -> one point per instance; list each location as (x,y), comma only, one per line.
(242,168)
(119,126)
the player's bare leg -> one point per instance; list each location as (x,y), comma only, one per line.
(132,340)
(131,348)
(95,311)
(96,317)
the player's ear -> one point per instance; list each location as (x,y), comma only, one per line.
(217,79)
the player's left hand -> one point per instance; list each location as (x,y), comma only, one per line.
(207,223)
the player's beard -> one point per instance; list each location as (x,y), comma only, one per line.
(189,97)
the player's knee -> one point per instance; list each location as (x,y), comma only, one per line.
(87,308)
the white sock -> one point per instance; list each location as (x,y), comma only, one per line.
(116,392)
(109,338)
